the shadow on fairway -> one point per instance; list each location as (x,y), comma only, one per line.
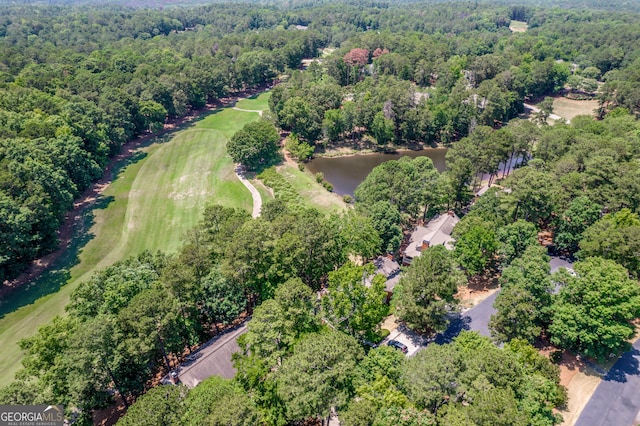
(59,273)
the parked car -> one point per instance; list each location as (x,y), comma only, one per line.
(398,345)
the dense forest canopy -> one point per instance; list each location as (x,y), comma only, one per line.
(79,81)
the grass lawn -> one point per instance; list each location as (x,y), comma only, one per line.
(311,191)
(260,102)
(265,192)
(158,195)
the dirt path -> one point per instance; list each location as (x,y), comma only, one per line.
(89,197)
(535,109)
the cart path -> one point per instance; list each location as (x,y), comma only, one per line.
(259,111)
(257,199)
(73,217)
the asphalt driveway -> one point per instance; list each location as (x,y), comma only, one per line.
(616,401)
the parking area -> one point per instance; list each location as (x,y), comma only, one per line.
(412,340)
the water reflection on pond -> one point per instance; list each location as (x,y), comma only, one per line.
(346,173)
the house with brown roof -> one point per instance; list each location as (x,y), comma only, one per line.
(436,232)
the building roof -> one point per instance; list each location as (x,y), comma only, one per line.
(214,359)
(387,267)
(436,232)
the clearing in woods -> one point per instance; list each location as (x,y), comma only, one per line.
(518,26)
(570,108)
(156,196)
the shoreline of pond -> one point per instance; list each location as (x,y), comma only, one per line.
(346,151)
(346,171)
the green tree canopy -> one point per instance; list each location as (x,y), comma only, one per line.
(617,237)
(592,312)
(354,302)
(424,295)
(318,375)
(255,146)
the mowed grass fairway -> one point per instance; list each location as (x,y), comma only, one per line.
(156,197)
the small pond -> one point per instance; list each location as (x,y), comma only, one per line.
(346,173)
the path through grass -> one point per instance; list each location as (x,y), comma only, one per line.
(156,197)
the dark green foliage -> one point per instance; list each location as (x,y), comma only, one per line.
(591,313)
(515,238)
(473,380)
(409,185)
(581,214)
(523,304)
(78,83)
(300,150)
(516,315)
(617,237)
(112,289)
(202,400)
(255,146)
(424,295)
(351,304)
(318,375)
(387,221)
(475,248)
(162,405)
(224,299)
(234,410)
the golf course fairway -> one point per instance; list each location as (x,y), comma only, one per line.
(155,197)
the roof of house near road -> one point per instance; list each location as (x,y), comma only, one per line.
(389,268)
(214,359)
(436,232)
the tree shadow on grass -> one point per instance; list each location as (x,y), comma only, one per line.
(59,273)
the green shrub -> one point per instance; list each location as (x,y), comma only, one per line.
(319,177)
(327,186)
(383,334)
(347,198)
(300,150)
(282,190)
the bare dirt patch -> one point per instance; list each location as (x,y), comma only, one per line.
(477,289)
(570,108)
(518,27)
(579,377)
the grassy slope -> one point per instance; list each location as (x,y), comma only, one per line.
(311,191)
(158,195)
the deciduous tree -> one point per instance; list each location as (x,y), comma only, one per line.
(592,312)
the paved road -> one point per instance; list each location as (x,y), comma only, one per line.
(255,195)
(616,401)
(213,359)
(478,317)
(475,319)
(558,262)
